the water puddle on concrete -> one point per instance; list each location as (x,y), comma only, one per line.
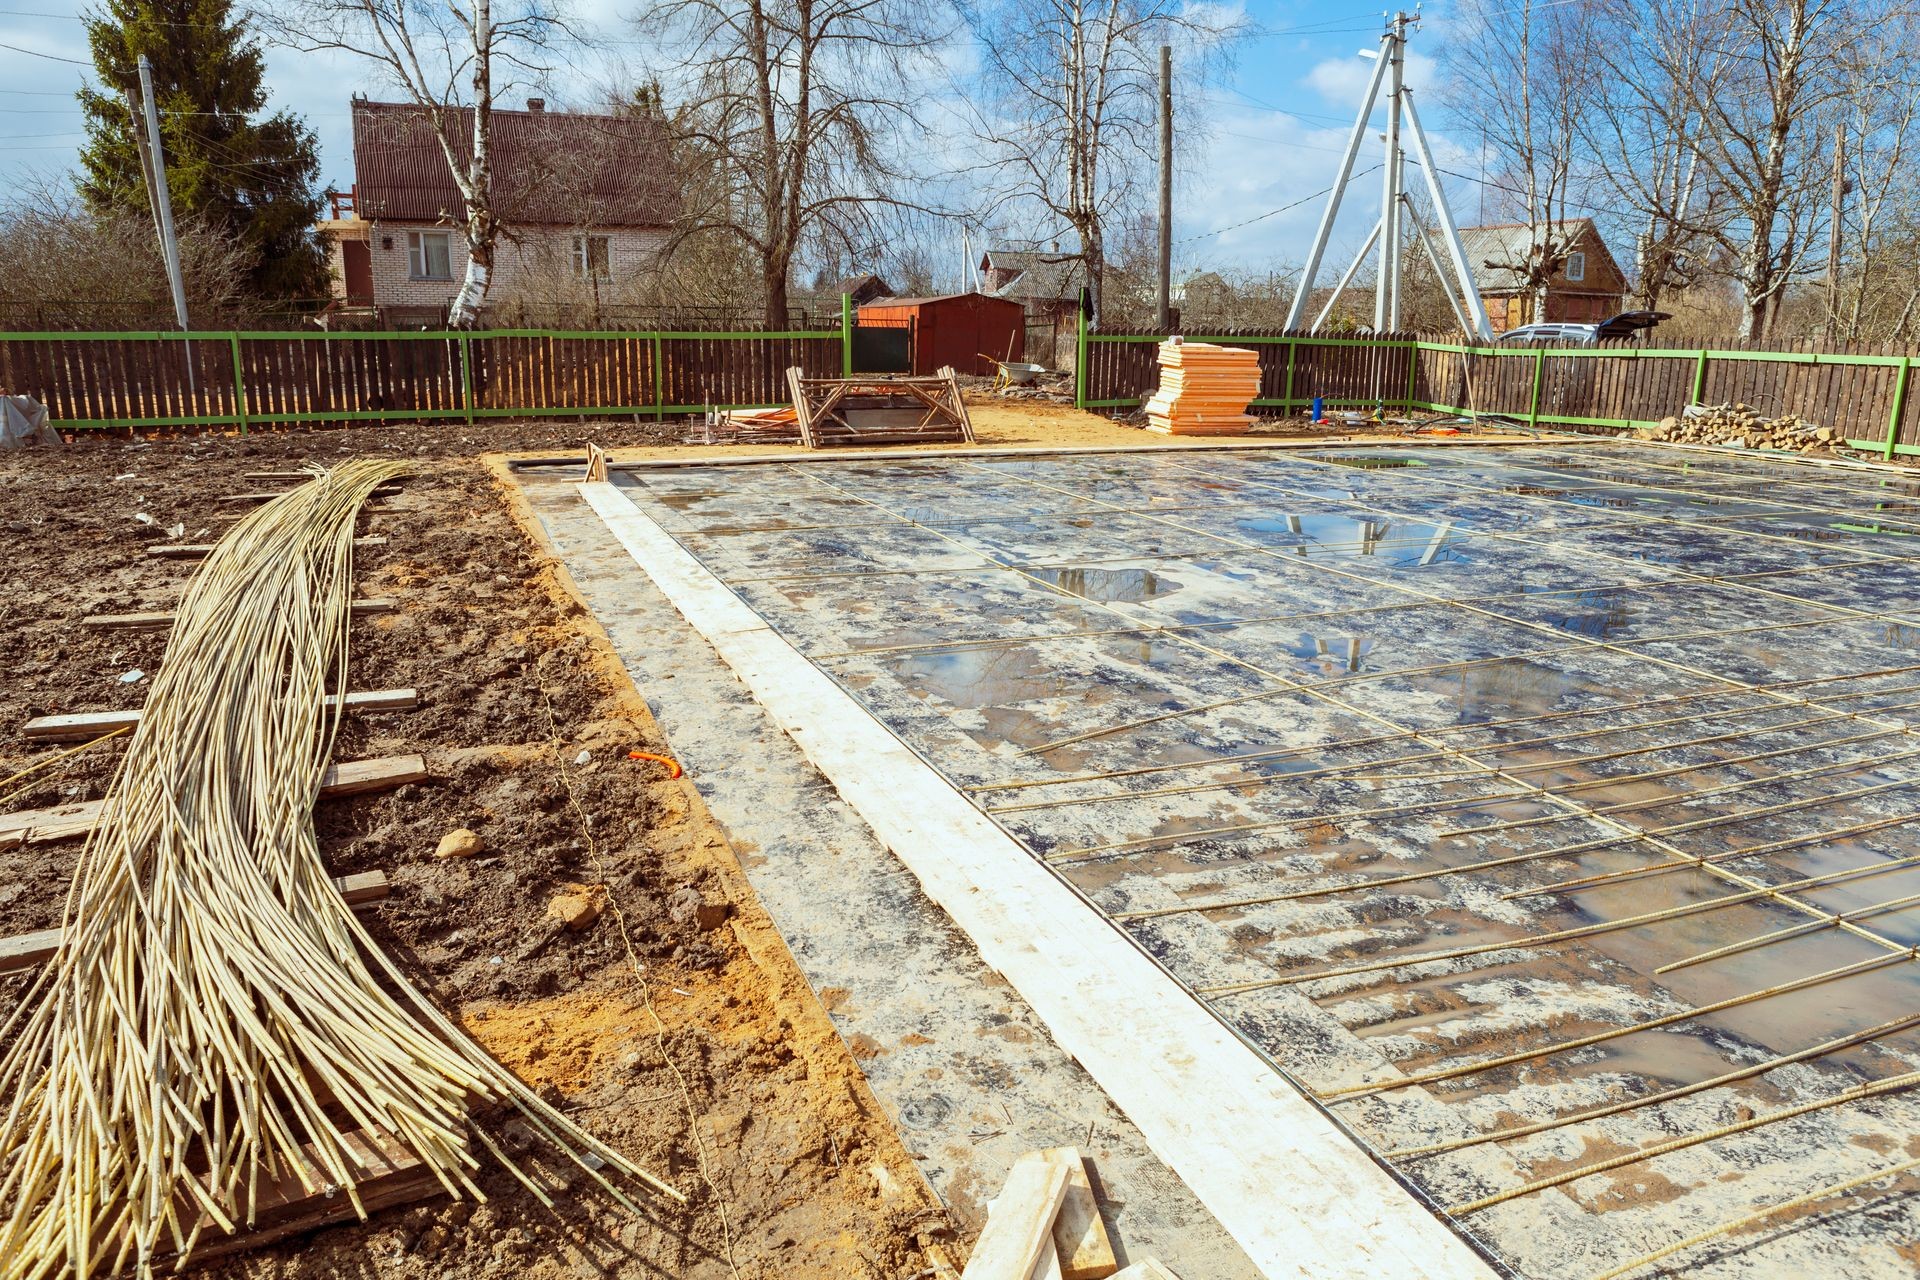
(1126,586)
(1364,461)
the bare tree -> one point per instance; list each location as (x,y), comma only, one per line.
(1525,71)
(1643,134)
(1067,102)
(1767,125)
(797,109)
(443,55)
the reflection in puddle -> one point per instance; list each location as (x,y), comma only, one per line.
(1397,543)
(1109,585)
(1364,462)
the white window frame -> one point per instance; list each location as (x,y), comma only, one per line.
(419,262)
(583,265)
(1576,267)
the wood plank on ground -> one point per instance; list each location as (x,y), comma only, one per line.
(1078,1233)
(155,621)
(390,1176)
(385,491)
(1019,1222)
(199,550)
(24,950)
(81,726)
(70,821)
(1146,1269)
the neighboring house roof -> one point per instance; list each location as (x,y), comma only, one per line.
(860,288)
(1055,276)
(1494,254)
(551,168)
(944,297)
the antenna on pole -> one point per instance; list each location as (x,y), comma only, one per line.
(1389,68)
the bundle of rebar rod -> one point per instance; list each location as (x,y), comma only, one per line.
(216,1019)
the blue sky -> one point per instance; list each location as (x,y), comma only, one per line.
(1275,123)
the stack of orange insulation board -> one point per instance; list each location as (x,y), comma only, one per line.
(1204,389)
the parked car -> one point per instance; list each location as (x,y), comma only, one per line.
(1625,325)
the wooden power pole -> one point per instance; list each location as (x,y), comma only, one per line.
(1163,296)
(1833,229)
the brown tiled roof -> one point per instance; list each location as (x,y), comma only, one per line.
(553,168)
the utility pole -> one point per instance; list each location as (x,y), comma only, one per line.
(163,203)
(1386,292)
(1163,298)
(1833,229)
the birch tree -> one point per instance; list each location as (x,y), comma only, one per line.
(443,55)
(1520,70)
(1066,106)
(1643,135)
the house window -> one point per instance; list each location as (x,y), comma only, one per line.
(590,257)
(430,255)
(1576,267)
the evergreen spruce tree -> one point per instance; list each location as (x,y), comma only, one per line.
(248,176)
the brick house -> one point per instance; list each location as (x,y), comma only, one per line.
(1589,286)
(584,201)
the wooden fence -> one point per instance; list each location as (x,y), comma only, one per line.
(1861,393)
(107,380)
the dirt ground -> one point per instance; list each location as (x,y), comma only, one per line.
(791,1166)
(1000,422)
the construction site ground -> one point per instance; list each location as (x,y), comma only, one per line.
(526,719)
(823,1121)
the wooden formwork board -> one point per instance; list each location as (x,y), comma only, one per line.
(880,409)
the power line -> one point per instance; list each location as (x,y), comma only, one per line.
(1274,212)
(51,57)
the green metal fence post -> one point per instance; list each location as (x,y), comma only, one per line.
(846,335)
(466,377)
(659,377)
(1080,359)
(1287,391)
(239,383)
(1539,377)
(1899,406)
(1700,378)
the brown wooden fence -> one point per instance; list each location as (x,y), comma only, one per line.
(216,379)
(1858,390)
(1121,367)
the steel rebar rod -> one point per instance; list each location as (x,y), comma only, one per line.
(1355,1092)
(1640,920)
(1880,1031)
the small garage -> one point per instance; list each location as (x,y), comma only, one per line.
(966,330)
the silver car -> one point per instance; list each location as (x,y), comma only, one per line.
(1625,325)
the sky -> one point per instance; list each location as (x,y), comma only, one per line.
(1275,123)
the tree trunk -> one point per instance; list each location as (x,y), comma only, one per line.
(481,229)
(774,280)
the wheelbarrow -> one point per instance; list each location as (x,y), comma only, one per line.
(1013,373)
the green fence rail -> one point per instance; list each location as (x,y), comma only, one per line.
(1863,396)
(242,379)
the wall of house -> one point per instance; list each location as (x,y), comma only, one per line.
(533,258)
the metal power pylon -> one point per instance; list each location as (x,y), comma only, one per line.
(1396,209)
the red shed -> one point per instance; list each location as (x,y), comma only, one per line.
(966,330)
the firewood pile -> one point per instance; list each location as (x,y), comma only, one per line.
(1741,426)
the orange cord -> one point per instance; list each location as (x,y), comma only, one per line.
(668,761)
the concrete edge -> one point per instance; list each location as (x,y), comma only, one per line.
(1287,1183)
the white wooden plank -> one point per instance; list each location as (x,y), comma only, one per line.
(1296,1193)
(1017,1242)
